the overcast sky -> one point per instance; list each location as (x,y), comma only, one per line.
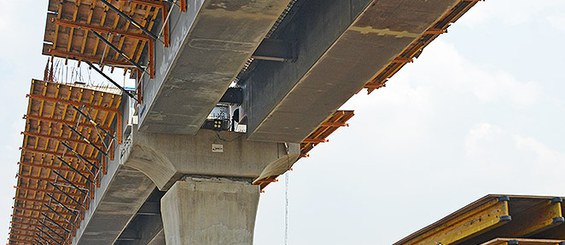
(481,111)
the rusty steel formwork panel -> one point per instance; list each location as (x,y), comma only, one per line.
(319,135)
(68,135)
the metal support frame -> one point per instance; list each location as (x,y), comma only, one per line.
(94,123)
(87,140)
(60,121)
(113,47)
(49,235)
(55,223)
(52,137)
(37,240)
(73,212)
(51,229)
(111,80)
(58,214)
(85,58)
(78,155)
(165,19)
(183,6)
(88,180)
(70,182)
(70,102)
(65,193)
(125,16)
(101,29)
(42,238)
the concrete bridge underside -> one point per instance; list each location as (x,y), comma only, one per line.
(167,178)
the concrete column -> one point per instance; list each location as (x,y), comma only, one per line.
(209,212)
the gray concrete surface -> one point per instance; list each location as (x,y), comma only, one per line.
(341,46)
(210,212)
(209,45)
(146,227)
(165,158)
(122,193)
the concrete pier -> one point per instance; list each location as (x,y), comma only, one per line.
(209,212)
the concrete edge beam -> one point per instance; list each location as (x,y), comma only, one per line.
(341,45)
(209,45)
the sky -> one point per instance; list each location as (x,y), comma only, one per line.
(481,111)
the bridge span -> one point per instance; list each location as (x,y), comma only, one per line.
(228,96)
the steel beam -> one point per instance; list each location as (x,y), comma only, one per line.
(88,27)
(53,120)
(30,164)
(54,153)
(36,178)
(70,182)
(55,223)
(88,180)
(545,215)
(94,123)
(55,137)
(33,189)
(275,50)
(112,81)
(66,194)
(86,140)
(60,215)
(87,160)
(479,220)
(73,212)
(72,102)
(538,218)
(125,16)
(81,57)
(48,235)
(117,50)
(50,229)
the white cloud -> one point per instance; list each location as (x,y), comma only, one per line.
(547,162)
(557,21)
(514,13)
(494,150)
(452,73)
(7,8)
(478,136)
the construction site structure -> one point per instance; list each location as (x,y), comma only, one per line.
(227,96)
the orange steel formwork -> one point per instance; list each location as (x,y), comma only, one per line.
(62,160)
(320,135)
(415,49)
(73,25)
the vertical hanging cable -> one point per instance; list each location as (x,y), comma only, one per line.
(286,179)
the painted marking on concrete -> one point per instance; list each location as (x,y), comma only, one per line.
(384,32)
(217,148)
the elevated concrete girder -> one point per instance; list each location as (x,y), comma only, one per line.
(116,202)
(340,46)
(209,45)
(166,158)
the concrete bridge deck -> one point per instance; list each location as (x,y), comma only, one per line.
(162,179)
